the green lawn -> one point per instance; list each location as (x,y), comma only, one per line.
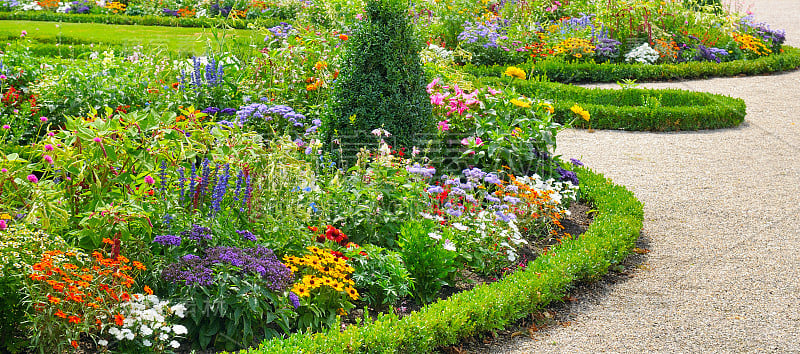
(173,39)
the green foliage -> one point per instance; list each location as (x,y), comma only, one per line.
(636,109)
(382,84)
(381,275)
(566,72)
(428,262)
(149,20)
(490,307)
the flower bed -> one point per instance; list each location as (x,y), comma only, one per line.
(608,241)
(269,192)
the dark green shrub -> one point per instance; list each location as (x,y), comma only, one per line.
(382,84)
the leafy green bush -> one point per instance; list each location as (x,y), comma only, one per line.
(608,241)
(381,274)
(382,84)
(429,261)
(635,109)
(566,72)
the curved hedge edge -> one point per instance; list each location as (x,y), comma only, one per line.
(608,240)
(626,109)
(147,20)
(560,71)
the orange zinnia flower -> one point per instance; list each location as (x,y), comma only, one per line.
(148,290)
(74,319)
(139,265)
(74,343)
(53,299)
(343,37)
(119,319)
(60,313)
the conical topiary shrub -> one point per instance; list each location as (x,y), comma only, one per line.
(382,83)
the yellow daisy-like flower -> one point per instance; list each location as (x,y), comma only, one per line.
(548,107)
(580,112)
(351,292)
(516,72)
(520,103)
(301,290)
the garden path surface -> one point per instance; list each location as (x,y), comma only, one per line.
(721,210)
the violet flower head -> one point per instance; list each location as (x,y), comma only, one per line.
(197,233)
(567,176)
(294,300)
(167,240)
(247,235)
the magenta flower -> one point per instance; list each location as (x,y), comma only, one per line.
(443,126)
(3,225)
(48,147)
(23,34)
(431,85)
(43,119)
(149,180)
(33,179)
(438,99)
(48,159)
(4,170)
(6,126)
(3,77)
(97,139)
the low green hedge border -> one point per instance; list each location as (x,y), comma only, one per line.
(608,240)
(148,20)
(634,109)
(560,71)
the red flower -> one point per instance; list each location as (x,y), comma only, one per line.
(119,319)
(74,319)
(74,344)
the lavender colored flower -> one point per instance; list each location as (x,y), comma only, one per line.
(492,199)
(182,183)
(426,172)
(709,54)
(487,34)
(167,240)
(435,189)
(247,235)
(576,162)
(168,12)
(294,300)
(492,178)
(510,199)
(258,261)
(197,233)
(505,217)
(205,178)
(280,31)
(162,176)
(219,190)
(473,174)
(567,176)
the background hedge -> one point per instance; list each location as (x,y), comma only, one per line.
(608,241)
(148,20)
(560,71)
(634,109)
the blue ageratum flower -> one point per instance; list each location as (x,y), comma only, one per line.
(167,240)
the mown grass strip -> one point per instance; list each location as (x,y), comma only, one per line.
(608,240)
(173,39)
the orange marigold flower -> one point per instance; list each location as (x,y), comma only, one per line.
(60,313)
(343,37)
(139,265)
(148,290)
(74,319)
(119,319)
(70,266)
(93,305)
(108,241)
(125,297)
(53,299)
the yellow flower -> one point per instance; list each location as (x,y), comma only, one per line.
(519,103)
(547,107)
(514,71)
(580,112)
(320,65)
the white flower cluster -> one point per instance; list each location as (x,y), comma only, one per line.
(642,54)
(148,322)
(436,55)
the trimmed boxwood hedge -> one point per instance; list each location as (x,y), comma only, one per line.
(634,109)
(560,71)
(608,241)
(148,20)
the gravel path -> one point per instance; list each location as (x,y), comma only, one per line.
(721,210)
